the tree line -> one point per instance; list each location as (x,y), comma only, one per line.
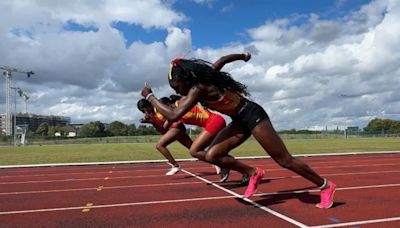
(386,126)
(117,128)
(97,129)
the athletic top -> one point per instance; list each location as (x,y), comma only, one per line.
(158,120)
(198,116)
(227,104)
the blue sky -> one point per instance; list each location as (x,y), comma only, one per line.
(217,23)
(315,64)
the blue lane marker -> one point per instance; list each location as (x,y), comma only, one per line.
(334,219)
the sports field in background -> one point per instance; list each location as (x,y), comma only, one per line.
(72,153)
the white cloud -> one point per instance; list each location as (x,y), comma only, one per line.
(314,74)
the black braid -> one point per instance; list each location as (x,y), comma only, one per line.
(199,71)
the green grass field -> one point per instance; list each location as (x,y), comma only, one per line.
(146,151)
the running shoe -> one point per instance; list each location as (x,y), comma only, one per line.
(224,175)
(173,170)
(253,183)
(327,196)
(245,180)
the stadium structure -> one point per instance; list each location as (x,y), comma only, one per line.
(32,121)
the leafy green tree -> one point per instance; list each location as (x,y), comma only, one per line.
(52,130)
(146,130)
(87,130)
(131,129)
(43,129)
(93,129)
(383,125)
(117,128)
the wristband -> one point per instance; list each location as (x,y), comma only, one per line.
(148,95)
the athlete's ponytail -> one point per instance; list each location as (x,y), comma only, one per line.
(196,71)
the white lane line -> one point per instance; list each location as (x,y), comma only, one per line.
(173,184)
(197,168)
(184,200)
(134,169)
(359,222)
(339,166)
(334,174)
(155,176)
(84,179)
(103,188)
(279,215)
(338,189)
(115,205)
(191,159)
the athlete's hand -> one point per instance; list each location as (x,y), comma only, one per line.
(146,90)
(247,56)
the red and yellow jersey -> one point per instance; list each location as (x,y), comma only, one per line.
(158,118)
(158,121)
(227,104)
(198,116)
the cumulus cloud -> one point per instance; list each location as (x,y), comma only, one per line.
(324,59)
(306,71)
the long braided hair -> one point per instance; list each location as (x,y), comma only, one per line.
(195,71)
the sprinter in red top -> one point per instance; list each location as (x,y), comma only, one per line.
(176,132)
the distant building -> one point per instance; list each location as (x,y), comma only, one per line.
(33,121)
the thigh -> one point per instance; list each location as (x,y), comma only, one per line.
(202,141)
(266,135)
(229,138)
(185,140)
(170,136)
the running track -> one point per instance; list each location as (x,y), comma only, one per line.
(139,195)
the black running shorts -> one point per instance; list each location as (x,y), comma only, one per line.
(249,116)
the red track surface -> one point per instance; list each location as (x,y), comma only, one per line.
(140,195)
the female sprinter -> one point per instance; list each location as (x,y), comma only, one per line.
(199,81)
(211,123)
(177,132)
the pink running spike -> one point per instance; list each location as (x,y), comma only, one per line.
(327,196)
(253,183)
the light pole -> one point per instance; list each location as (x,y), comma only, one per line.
(15,114)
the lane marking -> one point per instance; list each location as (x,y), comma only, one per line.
(358,222)
(115,205)
(190,159)
(154,176)
(179,200)
(279,215)
(84,179)
(335,174)
(99,188)
(199,167)
(103,188)
(337,189)
(87,208)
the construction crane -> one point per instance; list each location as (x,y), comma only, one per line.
(8,71)
(25,97)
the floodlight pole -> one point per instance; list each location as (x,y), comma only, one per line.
(7,74)
(15,114)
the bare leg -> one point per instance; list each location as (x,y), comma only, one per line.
(203,140)
(229,138)
(170,136)
(274,146)
(185,140)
